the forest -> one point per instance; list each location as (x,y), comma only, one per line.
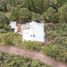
(49,11)
(54,15)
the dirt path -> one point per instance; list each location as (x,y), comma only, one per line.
(31,54)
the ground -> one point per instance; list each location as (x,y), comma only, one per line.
(31,54)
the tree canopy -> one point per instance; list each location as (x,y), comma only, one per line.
(26,10)
(20,14)
(4,22)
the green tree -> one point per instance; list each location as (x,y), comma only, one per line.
(24,14)
(63,13)
(20,14)
(35,64)
(50,15)
(35,16)
(14,13)
(38,6)
(14,3)
(4,22)
(56,3)
(3,5)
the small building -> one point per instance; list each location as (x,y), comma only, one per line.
(32,31)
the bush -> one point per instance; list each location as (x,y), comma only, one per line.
(7,60)
(20,14)
(63,13)
(4,22)
(50,15)
(56,51)
(15,39)
(32,45)
(11,39)
(2,39)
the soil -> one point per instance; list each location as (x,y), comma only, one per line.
(32,54)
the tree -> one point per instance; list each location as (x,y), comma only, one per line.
(63,13)
(35,16)
(24,14)
(35,63)
(56,3)
(4,22)
(50,15)
(14,3)
(3,6)
(20,14)
(14,13)
(38,6)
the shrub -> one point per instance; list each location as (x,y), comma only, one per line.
(20,14)
(7,60)
(1,39)
(50,15)
(35,63)
(32,45)
(56,51)
(11,39)
(4,22)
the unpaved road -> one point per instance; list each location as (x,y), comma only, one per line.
(32,54)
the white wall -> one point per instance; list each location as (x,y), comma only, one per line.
(35,33)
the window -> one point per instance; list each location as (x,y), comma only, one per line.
(12,30)
(33,35)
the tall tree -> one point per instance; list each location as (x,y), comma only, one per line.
(4,22)
(38,6)
(3,6)
(50,15)
(63,13)
(20,14)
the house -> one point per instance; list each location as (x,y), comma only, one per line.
(32,31)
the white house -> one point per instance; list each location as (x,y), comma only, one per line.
(32,31)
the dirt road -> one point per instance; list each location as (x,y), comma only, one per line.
(32,54)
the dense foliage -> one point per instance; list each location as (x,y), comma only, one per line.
(26,10)
(4,22)
(15,39)
(7,60)
(10,39)
(56,35)
(32,45)
(52,12)
(24,7)
(57,48)
(56,51)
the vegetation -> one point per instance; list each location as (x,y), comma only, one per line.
(32,45)
(56,34)
(56,51)
(18,14)
(57,47)
(4,22)
(10,39)
(52,12)
(7,60)
(15,39)
(26,10)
